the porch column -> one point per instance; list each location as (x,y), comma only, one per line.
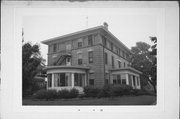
(52,80)
(136,82)
(47,85)
(72,79)
(139,83)
(127,80)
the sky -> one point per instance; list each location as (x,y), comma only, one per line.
(129,25)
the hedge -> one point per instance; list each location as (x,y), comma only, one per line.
(107,91)
(53,94)
(91,91)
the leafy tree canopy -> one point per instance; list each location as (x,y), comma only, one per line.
(31,60)
(144,59)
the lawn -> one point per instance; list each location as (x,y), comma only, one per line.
(124,100)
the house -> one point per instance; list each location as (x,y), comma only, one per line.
(40,77)
(91,57)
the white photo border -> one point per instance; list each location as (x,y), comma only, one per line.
(15,46)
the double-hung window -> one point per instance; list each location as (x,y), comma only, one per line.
(119,62)
(79,44)
(54,47)
(80,59)
(90,56)
(90,40)
(91,79)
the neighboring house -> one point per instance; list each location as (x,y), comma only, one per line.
(40,77)
(91,57)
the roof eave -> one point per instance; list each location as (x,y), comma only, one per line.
(70,34)
(117,39)
(130,68)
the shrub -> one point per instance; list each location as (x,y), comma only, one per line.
(105,91)
(119,90)
(116,90)
(73,93)
(41,94)
(51,94)
(64,93)
(126,89)
(91,91)
(45,94)
(138,92)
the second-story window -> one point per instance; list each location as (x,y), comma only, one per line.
(80,59)
(105,58)
(90,55)
(119,64)
(90,40)
(54,47)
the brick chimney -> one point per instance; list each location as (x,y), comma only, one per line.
(105,25)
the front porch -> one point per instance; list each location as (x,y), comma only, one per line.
(127,76)
(66,77)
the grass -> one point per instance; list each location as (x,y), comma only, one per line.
(124,100)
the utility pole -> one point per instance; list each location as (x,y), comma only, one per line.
(87,21)
(22,35)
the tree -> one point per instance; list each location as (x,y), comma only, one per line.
(31,59)
(154,67)
(143,61)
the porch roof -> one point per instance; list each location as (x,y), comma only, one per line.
(127,69)
(66,67)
